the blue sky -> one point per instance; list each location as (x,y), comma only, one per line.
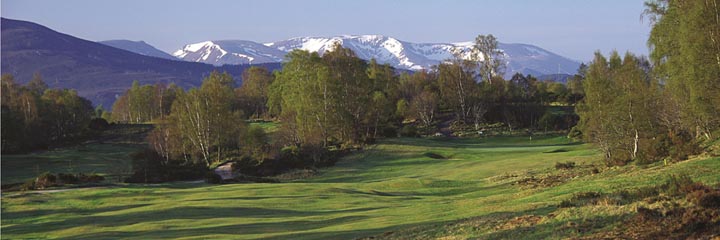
(573,28)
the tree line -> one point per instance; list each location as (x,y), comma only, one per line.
(335,102)
(643,110)
(36,117)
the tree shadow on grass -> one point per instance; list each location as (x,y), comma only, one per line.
(348,234)
(471,143)
(445,188)
(183,213)
(236,229)
(251,198)
(75,211)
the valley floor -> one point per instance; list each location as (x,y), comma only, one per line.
(398,184)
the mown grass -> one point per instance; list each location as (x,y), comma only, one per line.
(388,187)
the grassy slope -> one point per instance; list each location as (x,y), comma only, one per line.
(393,185)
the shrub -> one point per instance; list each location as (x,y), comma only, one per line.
(632,195)
(99,124)
(575,133)
(679,185)
(565,165)
(30,185)
(618,158)
(212,178)
(647,214)
(45,180)
(582,198)
(149,167)
(682,145)
(566,204)
(705,197)
(709,200)
(92,178)
(652,149)
(68,178)
(388,131)
(255,142)
(409,131)
(549,121)
(146,167)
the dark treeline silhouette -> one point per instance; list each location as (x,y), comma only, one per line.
(35,117)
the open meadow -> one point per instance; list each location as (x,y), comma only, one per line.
(393,185)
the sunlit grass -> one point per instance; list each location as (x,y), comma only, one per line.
(389,186)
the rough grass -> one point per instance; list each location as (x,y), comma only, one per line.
(386,189)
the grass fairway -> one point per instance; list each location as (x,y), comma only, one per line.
(396,184)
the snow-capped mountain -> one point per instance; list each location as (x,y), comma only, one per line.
(389,50)
(523,58)
(229,52)
(139,47)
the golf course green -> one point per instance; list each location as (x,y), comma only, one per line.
(393,185)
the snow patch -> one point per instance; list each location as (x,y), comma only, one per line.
(197,46)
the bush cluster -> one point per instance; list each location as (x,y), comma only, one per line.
(149,167)
(48,180)
(565,165)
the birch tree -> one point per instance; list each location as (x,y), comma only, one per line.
(489,58)
(619,111)
(205,120)
(685,49)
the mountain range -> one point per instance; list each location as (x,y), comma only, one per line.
(96,71)
(139,47)
(522,58)
(101,71)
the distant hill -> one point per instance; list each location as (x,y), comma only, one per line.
(139,47)
(97,71)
